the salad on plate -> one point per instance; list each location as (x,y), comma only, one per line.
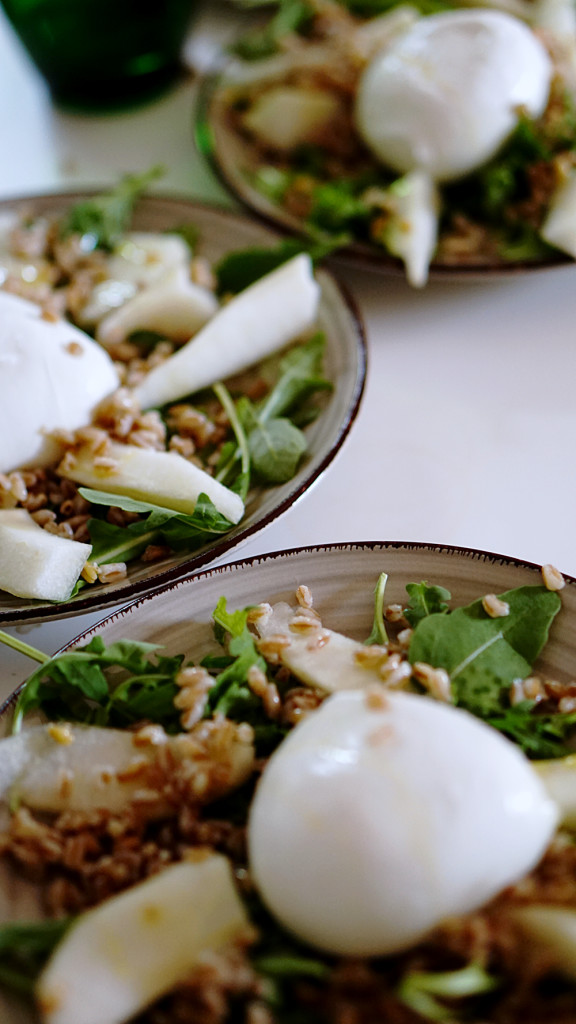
(294,824)
(150,393)
(437,134)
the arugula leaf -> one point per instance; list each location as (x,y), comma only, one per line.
(241,268)
(73,685)
(423,991)
(539,735)
(291,16)
(180,531)
(276,447)
(102,220)
(300,377)
(25,948)
(425,599)
(483,656)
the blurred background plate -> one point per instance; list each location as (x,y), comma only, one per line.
(345,366)
(235,161)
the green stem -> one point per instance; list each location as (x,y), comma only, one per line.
(25,649)
(224,397)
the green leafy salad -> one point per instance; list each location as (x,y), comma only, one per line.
(153,393)
(299,826)
(391,126)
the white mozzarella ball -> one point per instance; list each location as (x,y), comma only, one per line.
(370,827)
(53,375)
(446,94)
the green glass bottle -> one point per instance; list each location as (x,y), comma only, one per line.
(103,54)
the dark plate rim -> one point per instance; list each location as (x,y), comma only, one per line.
(120,595)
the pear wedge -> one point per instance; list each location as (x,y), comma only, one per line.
(135,947)
(64,767)
(336,663)
(261,320)
(37,564)
(159,478)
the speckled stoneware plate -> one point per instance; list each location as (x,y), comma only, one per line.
(235,161)
(345,366)
(342,579)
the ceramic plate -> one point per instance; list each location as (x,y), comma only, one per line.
(235,161)
(342,579)
(345,366)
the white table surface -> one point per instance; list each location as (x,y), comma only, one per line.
(467,432)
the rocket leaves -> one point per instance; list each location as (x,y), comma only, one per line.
(484,655)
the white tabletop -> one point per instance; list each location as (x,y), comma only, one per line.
(467,432)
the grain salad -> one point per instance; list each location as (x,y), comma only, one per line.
(118,432)
(199,784)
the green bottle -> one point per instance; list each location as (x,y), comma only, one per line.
(103,54)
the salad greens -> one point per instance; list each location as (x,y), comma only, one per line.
(103,219)
(24,949)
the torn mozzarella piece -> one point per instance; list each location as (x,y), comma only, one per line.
(370,826)
(37,564)
(53,376)
(445,95)
(174,307)
(256,323)
(160,478)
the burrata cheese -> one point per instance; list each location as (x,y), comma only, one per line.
(52,377)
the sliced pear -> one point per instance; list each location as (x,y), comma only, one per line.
(559,777)
(559,227)
(64,767)
(37,564)
(553,931)
(259,321)
(160,478)
(287,116)
(140,260)
(174,307)
(135,947)
(337,663)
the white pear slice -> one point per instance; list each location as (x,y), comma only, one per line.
(135,947)
(139,261)
(257,322)
(412,232)
(52,374)
(559,777)
(35,563)
(174,307)
(160,478)
(330,666)
(559,227)
(64,767)
(553,931)
(290,115)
